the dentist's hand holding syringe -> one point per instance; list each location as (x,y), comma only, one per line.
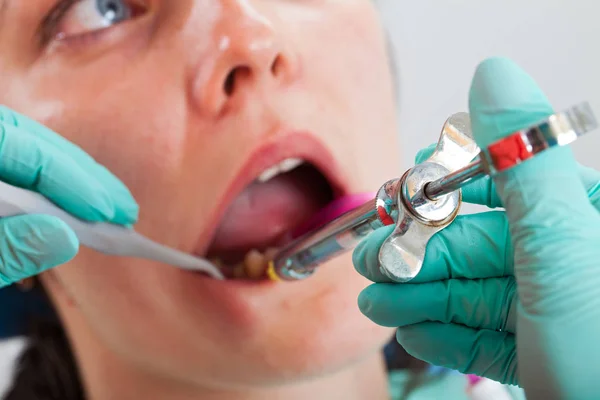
(515,295)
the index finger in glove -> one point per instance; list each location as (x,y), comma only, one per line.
(473,246)
(31,244)
(34,157)
(477,303)
(482,352)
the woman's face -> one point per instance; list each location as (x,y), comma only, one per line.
(187,102)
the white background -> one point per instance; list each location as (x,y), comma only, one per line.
(439,43)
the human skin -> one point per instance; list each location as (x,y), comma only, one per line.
(147,98)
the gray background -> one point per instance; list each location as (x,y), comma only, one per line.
(438,45)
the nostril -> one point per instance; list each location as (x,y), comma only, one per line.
(232,79)
(238,74)
(229,85)
(277,65)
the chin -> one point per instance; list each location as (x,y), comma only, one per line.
(313,350)
(269,334)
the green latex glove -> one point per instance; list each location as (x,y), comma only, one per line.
(515,295)
(35,158)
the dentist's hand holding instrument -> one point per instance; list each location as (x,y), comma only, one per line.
(54,197)
(37,159)
(512,295)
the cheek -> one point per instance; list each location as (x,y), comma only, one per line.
(145,137)
(353,73)
(129,119)
(351,44)
(140,133)
(112,299)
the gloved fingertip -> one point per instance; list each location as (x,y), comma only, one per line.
(125,205)
(425,153)
(364,302)
(365,256)
(503,99)
(405,336)
(482,192)
(104,207)
(31,244)
(427,341)
(60,238)
(359,259)
(94,204)
(402,332)
(126,214)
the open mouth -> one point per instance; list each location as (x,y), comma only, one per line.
(262,217)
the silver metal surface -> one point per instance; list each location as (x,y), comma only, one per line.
(427,198)
(299,259)
(454,181)
(559,129)
(426,210)
(401,255)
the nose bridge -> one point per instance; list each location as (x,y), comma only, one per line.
(247,36)
(247,56)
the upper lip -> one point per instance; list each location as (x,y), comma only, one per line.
(303,145)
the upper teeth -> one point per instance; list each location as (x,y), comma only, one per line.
(286,165)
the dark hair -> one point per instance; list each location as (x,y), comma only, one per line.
(47,369)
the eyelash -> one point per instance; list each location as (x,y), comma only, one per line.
(50,24)
(84,38)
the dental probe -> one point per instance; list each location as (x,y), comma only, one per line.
(427,197)
(104,237)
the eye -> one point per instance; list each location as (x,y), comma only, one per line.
(87,16)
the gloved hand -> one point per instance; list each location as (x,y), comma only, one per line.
(515,295)
(33,157)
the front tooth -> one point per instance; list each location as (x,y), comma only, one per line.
(289,164)
(285,166)
(268,174)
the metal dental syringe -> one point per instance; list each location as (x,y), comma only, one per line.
(427,197)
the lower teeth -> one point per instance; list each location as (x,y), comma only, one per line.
(253,267)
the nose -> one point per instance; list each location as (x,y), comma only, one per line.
(248,58)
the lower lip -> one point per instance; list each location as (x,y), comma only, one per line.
(329,213)
(233,297)
(236,302)
(232,283)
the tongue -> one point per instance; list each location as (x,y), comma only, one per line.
(264,213)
